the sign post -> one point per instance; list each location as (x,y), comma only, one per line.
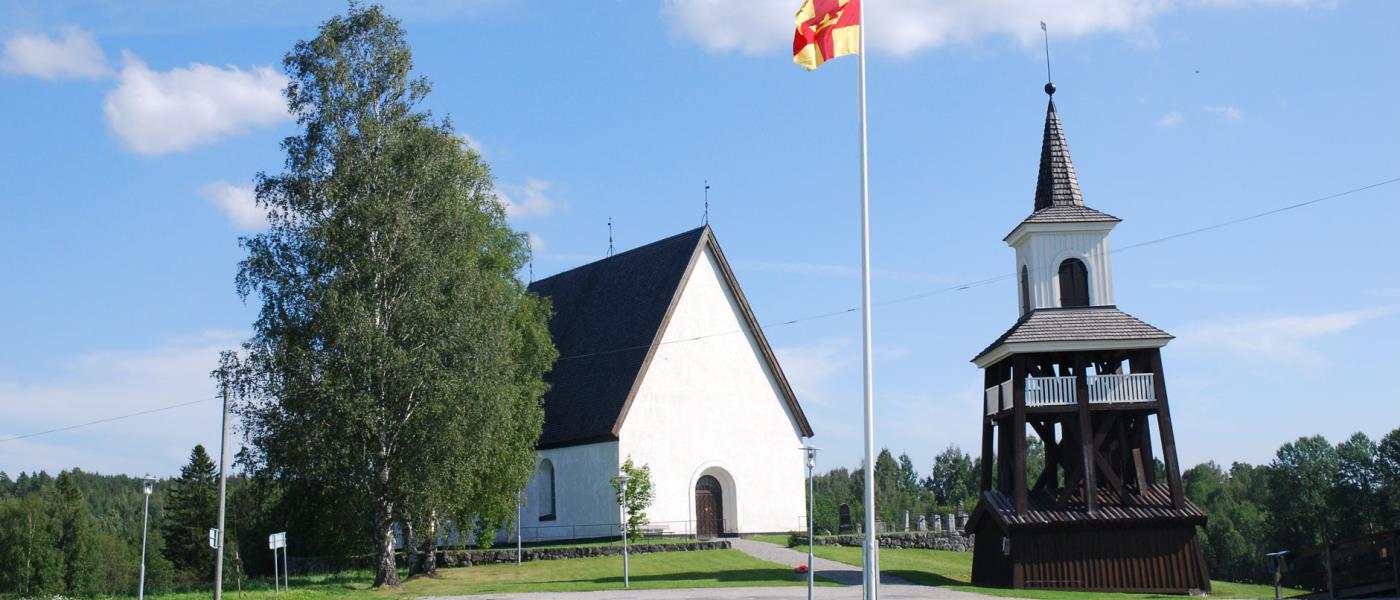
(275,541)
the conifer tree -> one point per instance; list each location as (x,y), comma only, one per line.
(77,537)
(190,510)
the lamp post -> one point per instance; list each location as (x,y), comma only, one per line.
(810,457)
(148,486)
(621,480)
(519,511)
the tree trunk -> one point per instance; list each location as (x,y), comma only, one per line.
(385,572)
(428,564)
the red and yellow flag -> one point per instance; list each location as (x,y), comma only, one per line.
(826,29)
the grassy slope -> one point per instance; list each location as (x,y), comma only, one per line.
(953,570)
(710,568)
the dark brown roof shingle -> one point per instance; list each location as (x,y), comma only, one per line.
(606,316)
(1153,505)
(1080,324)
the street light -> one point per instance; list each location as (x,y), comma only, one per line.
(520,501)
(621,480)
(810,455)
(148,486)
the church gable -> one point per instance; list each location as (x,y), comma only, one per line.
(713,356)
(606,317)
(608,325)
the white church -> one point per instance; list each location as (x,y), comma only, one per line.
(661,360)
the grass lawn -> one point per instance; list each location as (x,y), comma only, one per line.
(780,539)
(596,543)
(953,570)
(701,569)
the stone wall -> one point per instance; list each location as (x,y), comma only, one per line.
(937,541)
(467,558)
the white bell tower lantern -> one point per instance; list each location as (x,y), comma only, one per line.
(1062,253)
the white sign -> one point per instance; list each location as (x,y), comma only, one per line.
(277,540)
(214,538)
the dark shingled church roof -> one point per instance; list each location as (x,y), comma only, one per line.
(1153,505)
(608,315)
(1078,324)
(1057,196)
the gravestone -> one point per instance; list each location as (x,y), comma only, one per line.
(844,514)
(952,525)
(923,523)
(906,520)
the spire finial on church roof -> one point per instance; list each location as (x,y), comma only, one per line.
(1057,183)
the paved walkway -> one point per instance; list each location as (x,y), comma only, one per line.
(834,571)
(891,587)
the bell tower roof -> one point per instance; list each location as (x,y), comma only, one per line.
(1057,184)
(1057,195)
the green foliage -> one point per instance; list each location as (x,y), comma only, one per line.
(77,539)
(396,363)
(1299,481)
(191,510)
(954,478)
(638,498)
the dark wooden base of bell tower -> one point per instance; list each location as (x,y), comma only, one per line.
(1142,549)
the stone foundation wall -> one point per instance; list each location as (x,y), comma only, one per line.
(935,541)
(467,558)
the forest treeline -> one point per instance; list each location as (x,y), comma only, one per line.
(1311,492)
(79,533)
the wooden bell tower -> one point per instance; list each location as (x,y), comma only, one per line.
(1086,379)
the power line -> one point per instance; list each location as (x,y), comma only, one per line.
(990,280)
(107,420)
(953,288)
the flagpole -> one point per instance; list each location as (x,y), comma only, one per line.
(871,566)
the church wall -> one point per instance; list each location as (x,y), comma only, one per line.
(1042,253)
(585,505)
(711,406)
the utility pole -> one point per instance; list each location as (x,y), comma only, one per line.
(223,483)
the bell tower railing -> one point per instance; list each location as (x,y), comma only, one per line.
(1061,391)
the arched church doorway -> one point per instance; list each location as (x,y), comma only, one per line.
(709,507)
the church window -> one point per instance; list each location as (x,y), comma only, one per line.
(1025,291)
(1074,283)
(546,483)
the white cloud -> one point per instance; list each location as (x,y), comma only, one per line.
(813,369)
(156,112)
(472,144)
(1171,119)
(904,27)
(1283,339)
(537,244)
(75,55)
(239,203)
(111,383)
(529,200)
(1229,113)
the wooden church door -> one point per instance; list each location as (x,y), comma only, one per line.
(709,507)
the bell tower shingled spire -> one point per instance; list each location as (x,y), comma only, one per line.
(1057,184)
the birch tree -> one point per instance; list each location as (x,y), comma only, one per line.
(396,363)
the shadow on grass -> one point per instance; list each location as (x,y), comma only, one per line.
(924,577)
(768,576)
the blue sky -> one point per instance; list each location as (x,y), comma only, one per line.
(131,133)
